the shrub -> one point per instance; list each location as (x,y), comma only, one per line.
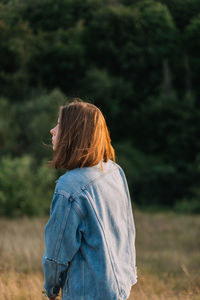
(25,189)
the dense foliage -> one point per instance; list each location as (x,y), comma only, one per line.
(138,60)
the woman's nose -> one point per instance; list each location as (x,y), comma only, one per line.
(52,131)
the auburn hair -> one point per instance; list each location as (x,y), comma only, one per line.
(83,139)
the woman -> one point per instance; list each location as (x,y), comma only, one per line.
(90,235)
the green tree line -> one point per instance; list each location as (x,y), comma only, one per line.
(138,60)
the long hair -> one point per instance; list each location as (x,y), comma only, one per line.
(83,138)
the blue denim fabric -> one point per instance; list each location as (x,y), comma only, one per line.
(90,236)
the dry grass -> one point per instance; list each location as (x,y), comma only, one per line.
(168,257)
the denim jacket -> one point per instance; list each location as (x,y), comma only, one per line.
(90,236)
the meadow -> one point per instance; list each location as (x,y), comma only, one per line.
(168,257)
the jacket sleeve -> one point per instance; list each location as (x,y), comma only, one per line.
(132,229)
(63,234)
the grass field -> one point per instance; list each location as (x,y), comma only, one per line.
(168,257)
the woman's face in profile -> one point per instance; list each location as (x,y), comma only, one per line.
(54,133)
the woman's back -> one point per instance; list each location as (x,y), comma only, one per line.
(102,262)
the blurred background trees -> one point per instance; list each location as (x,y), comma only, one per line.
(138,60)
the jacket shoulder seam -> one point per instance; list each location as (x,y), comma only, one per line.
(84,187)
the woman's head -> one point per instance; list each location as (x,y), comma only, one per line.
(81,138)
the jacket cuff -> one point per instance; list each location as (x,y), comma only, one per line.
(52,293)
